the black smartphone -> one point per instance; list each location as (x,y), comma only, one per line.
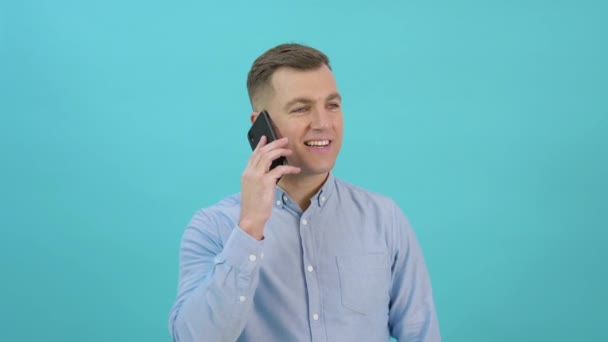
(263,126)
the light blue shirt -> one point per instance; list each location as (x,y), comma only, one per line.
(349,268)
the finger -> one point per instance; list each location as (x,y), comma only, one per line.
(275,144)
(282,170)
(253,159)
(269,147)
(261,144)
(267,158)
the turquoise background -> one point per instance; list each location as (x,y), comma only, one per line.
(487,121)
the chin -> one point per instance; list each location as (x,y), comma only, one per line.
(313,166)
(315,170)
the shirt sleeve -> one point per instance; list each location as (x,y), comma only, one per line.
(216,282)
(412,315)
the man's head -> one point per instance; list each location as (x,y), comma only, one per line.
(294,56)
(295,84)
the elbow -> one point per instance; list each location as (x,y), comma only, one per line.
(184,328)
(178,327)
(172,325)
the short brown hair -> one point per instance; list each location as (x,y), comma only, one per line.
(291,55)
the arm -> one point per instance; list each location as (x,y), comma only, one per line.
(412,316)
(216,283)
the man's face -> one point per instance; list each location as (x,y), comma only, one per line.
(305,107)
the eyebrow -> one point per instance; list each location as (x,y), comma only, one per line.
(330,97)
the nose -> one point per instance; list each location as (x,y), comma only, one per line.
(320,119)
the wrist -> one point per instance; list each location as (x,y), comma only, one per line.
(256,230)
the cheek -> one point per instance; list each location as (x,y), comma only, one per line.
(339,124)
(292,136)
(281,130)
(293,130)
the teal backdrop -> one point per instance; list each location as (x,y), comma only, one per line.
(487,121)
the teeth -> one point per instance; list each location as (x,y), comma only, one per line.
(317,143)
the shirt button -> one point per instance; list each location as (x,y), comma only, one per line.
(279,203)
(322,198)
(315,317)
(309,268)
(304,222)
(242,298)
(252,257)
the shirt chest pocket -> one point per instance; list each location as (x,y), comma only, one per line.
(365,282)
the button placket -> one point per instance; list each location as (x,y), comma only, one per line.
(310,276)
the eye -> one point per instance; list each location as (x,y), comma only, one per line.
(333,106)
(299,110)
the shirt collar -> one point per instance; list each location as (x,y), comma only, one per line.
(319,199)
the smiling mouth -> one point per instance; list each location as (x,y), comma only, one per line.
(317,143)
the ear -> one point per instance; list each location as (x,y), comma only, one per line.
(253,116)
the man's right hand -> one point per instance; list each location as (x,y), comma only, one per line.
(258,185)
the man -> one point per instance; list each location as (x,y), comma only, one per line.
(310,258)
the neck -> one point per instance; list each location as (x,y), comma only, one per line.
(302,187)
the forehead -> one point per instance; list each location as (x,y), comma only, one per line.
(288,83)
